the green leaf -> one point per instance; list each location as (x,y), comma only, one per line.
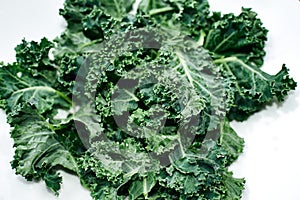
(199,174)
(188,17)
(142,187)
(233,187)
(88,124)
(97,25)
(75,11)
(19,86)
(53,181)
(33,55)
(70,43)
(237,46)
(242,36)
(230,141)
(39,154)
(254,87)
(117,8)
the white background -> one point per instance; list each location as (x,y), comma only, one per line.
(271,160)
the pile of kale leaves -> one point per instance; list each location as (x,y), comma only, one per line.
(87,141)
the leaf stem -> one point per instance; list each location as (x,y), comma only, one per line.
(185,68)
(117,7)
(201,38)
(89,44)
(223,42)
(160,10)
(132,95)
(45,88)
(237,60)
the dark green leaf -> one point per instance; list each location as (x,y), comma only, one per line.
(39,154)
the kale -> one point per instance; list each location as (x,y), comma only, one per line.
(148,99)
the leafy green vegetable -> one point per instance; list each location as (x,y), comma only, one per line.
(32,79)
(39,153)
(236,44)
(148,99)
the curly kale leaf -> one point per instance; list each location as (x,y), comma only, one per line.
(75,11)
(74,43)
(31,96)
(201,175)
(230,141)
(196,175)
(35,56)
(237,45)
(39,153)
(188,17)
(254,88)
(95,28)
(242,36)
(88,24)
(19,86)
